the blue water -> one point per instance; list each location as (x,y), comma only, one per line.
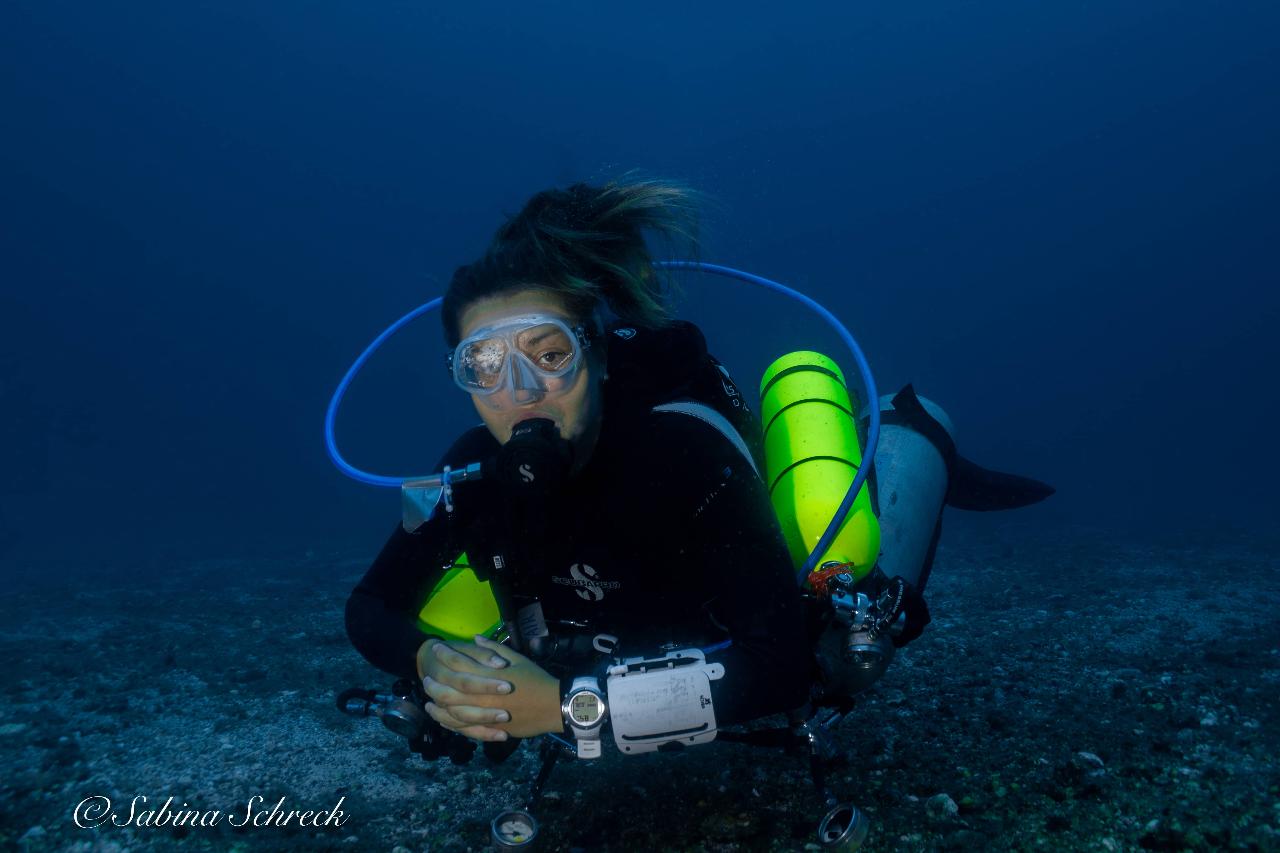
(1059,222)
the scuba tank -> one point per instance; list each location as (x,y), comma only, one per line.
(812,453)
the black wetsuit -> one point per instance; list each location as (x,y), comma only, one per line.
(666,536)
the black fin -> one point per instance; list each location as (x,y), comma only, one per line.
(970,486)
(983,490)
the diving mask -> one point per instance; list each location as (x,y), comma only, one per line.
(531,355)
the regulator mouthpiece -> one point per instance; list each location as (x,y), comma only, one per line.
(535,461)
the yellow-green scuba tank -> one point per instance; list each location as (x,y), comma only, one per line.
(812,453)
(460,606)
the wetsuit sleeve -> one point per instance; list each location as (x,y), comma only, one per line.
(382,611)
(732,542)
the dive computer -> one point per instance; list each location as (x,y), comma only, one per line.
(585,710)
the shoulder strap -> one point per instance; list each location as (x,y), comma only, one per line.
(658,367)
(710,416)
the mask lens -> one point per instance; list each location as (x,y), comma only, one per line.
(548,347)
(479,363)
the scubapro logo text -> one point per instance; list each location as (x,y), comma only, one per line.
(589,586)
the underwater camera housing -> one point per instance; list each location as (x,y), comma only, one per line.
(857,644)
(402,711)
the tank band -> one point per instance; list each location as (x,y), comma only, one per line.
(797,369)
(783,472)
(769,425)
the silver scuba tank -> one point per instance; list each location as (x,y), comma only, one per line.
(911,481)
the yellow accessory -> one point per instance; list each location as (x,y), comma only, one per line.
(460,606)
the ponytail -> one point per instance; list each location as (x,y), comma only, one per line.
(587,245)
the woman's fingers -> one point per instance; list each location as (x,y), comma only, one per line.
(464,656)
(475,732)
(474,715)
(444,694)
(506,654)
(455,666)
(461,682)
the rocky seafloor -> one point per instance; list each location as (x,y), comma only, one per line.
(1071,694)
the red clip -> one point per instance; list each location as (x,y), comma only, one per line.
(820,579)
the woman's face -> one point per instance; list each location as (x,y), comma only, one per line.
(575,409)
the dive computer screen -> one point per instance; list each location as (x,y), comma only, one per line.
(584,707)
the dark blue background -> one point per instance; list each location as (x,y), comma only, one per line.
(1057,220)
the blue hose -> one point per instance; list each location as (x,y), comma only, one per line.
(331,415)
(868,382)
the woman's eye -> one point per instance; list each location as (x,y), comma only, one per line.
(552,358)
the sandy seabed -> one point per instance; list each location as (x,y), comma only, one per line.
(1070,694)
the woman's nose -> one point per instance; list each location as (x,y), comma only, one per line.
(510,398)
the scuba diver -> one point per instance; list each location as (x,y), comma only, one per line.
(622,504)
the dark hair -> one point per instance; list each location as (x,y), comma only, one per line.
(587,245)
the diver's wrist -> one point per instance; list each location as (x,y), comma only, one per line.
(553,720)
(561,725)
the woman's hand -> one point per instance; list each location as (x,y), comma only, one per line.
(468,699)
(453,672)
